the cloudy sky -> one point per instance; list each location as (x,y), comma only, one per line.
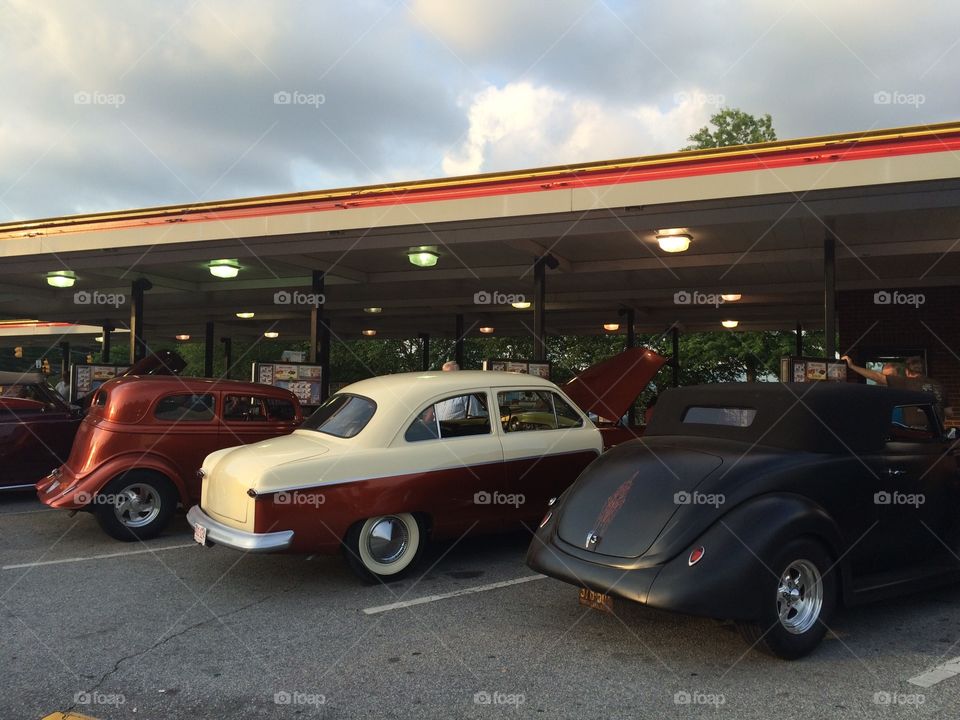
(111,105)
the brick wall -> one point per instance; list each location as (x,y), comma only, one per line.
(933,325)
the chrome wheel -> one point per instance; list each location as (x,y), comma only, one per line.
(387,540)
(137,505)
(799,596)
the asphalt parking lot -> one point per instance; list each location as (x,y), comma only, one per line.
(167,629)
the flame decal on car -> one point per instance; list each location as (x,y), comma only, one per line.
(609,512)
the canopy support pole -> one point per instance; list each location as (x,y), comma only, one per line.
(106,328)
(830,292)
(458,340)
(208,349)
(424,351)
(138,344)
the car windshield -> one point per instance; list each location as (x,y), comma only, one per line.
(342,415)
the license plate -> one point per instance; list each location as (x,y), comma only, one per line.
(200,534)
(596,600)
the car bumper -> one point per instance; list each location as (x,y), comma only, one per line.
(222,534)
(549,558)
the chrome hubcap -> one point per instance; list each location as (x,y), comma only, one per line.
(137,505)
(799,596)
(388,540)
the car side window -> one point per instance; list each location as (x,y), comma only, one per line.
(187,407)
(913,423)
(243,408)
(567,417)
(457,416)
(526,410)
(281,409)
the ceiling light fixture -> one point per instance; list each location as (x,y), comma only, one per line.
(487,330)
(673,242)
(224,268)
(423,256)
(611,327)
(245,315)
(373,310)
(61,278)
(369,333)
(182,337)
(271,334)
(732,297)
(730,324)
(521,304)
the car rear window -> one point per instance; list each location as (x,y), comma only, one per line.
(727,416)
(342,415)
(281,409)
(188,407)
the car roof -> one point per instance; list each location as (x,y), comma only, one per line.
(818,416)
(414,386)
(163,383)
(12,377)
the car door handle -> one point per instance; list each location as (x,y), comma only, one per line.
(895,472)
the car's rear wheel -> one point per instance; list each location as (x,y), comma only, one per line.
(797,604)
(384,548)
(137,505)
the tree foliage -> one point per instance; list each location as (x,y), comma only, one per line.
(731,126)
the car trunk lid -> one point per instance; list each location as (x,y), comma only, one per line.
(623,501)
(244,467)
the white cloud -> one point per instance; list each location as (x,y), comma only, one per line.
(523,125)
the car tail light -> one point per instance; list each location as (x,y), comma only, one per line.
(695,556)
(546,519)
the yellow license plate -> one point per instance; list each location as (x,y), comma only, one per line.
(596,600)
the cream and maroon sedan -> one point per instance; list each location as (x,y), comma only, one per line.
(390,462)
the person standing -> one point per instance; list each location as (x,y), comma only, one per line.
(913,379)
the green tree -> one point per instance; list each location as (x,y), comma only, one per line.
(732,127)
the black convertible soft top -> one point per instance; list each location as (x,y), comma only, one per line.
(818,417)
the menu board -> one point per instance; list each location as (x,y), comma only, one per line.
(87,378)
(301,379)
(528,367)
(798,369)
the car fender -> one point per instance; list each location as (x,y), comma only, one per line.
(92,483)
(724,582)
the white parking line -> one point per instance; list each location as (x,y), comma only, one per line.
(943,671)
(96,557)
(455,593)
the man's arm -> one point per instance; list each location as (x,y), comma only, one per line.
(876,376)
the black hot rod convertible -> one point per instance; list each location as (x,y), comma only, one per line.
(766,504)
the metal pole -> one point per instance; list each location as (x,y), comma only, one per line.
(318,283)
(539,309)
(830,292)
(64,358)
(208,350)
(138,345)
(424,351)
(324,359)
(227,355)
(106,328)
(458,341)
(799,339)
(675,333)
(629,318)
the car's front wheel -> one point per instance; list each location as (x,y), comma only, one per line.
(384,548)
(798,602)
(135,506)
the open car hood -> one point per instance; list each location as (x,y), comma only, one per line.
(609,388)
(162,362)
